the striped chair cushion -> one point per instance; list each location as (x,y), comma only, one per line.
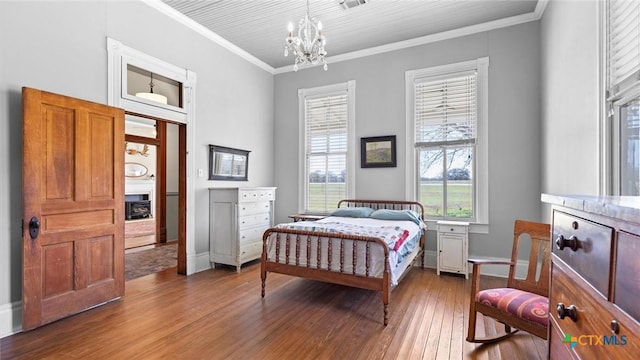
(526,305)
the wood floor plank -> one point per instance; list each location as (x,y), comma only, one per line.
(412,343)
(444,343)
(418,349)
(459,324)
(433,339)
(219,314)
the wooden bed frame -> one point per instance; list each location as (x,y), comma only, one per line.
(310,269)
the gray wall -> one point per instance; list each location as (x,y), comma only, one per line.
(514,123)
(61,47)
(570,112)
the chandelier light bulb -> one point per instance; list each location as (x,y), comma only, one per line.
(290,27)
(319,25)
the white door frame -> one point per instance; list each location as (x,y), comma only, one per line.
(119,56)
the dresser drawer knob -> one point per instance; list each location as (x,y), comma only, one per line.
(567,311)
(573,243)
(615,327)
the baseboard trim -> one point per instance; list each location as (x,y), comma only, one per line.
(502,271)
(430,259)
(201,262)
(10,319)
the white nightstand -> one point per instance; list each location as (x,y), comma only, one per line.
(453,247)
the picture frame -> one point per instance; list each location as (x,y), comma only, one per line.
(378,151)
(227,163)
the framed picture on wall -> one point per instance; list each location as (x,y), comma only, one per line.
(378,151)
(228,163)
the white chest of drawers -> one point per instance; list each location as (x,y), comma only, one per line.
(237,219)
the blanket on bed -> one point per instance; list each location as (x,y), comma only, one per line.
(393,236)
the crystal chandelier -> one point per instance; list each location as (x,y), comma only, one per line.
(308,46)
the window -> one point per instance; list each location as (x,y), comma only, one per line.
(327,115)
(623,94)
(446,108)
(143,84)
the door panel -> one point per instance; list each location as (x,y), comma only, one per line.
(73,183)
(59,127)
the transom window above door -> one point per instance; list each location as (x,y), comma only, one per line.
(155,88)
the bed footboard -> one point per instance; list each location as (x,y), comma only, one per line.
(350,260)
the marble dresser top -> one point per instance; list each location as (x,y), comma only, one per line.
(619,207)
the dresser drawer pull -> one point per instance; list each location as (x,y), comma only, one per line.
(570,311)
(615,327)
(573,243)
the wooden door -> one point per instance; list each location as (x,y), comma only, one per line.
(73,203)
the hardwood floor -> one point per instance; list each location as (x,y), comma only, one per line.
(219,314)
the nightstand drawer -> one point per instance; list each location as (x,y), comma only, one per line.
(452,228)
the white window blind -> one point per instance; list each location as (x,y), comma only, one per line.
(445,110)
(326,129)
(624,44)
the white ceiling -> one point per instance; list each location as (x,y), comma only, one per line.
(259,27)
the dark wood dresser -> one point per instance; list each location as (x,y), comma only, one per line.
(594,303)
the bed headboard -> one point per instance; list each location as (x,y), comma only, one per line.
(384,204)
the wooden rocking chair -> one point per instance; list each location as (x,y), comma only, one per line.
(524,303)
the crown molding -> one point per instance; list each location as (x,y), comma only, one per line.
(540,7)
(186,21)
(468,30)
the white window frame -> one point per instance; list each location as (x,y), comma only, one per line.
(303,176)
(612,100)
(481,201)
